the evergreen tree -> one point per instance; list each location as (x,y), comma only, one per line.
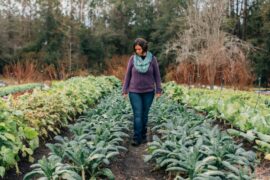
(259,35)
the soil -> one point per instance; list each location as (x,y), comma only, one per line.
(263,170)
(130,165)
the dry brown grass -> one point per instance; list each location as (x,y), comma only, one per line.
(236,75)
(23,72)
(30,71)
(116,66)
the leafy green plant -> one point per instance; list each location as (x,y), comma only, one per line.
(189,147)
(4,91)
(52,169)
(96,140)
(244,110)
(43,113)
(15,138)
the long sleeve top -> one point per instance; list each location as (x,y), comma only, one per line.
(142,82)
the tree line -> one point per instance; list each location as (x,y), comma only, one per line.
(58,38)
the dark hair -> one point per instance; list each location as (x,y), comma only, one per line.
(141,42)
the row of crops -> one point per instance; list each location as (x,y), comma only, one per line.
(43,113)
(4,91)
(188,146)
(97,138)
(248,112)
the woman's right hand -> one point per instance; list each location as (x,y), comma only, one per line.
(158,95)
(125,95)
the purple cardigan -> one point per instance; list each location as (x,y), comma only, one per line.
(142,82)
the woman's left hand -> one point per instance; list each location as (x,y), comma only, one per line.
(158,95)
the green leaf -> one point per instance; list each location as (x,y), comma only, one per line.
(96,156)
(230,167)
(68,174)
(178,169)
(28,150)
(263,137)
(8,155)
(108,173)
(213,173)
(30,175)
(111,154)
(30,133)
(160,151)
(265,146)
(234,132)
(206,161)
(2,171)
(34,143)
(10,136)
(147,158)
(168,161)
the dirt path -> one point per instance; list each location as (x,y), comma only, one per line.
(131,166)
(263,170)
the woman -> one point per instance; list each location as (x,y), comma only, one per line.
(142,82)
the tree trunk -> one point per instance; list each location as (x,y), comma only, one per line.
(237,7)
(245,14)
(232,11)
(81,10)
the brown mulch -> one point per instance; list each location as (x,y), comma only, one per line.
(263,170)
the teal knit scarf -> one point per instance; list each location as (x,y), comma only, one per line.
(142,65)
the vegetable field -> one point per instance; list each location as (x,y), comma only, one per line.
(186,137)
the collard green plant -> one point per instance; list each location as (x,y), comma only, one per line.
(51,168)
(189,147)
(96,140)
(43,113)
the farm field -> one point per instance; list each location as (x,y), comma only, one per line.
(67,67)
(185,140)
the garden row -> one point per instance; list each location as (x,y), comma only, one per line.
(4,91)
(246,111)
(189,147)
(96,140)
(43,113)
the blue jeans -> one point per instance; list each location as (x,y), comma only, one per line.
(140,103)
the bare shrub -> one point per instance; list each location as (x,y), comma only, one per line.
(23,71)
(117,66)
(50,72)
(215,54)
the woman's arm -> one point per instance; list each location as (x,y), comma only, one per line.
(127,76)
(157,76)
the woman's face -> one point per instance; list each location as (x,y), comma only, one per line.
(139,50)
